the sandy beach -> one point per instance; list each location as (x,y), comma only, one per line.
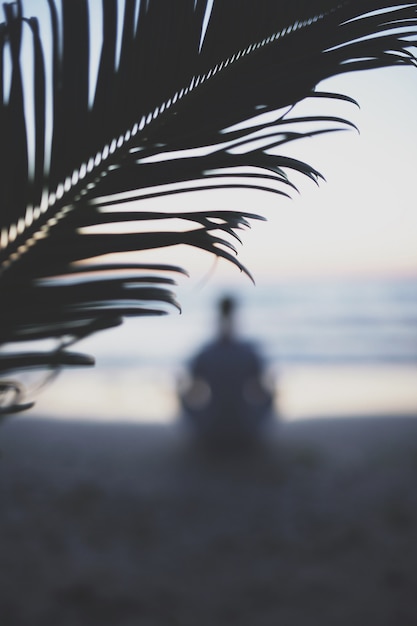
(134,524)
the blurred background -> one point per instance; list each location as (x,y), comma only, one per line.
(334,308)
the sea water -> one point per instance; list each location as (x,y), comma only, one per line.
(333,347)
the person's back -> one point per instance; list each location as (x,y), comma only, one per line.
(226,398)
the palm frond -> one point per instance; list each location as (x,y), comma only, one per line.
(177,104)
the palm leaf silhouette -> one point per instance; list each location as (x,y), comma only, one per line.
(163,114)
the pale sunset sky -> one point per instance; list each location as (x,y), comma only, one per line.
(362,220)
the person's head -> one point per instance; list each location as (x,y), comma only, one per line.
(227,307)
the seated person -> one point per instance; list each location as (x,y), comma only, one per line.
(226,398)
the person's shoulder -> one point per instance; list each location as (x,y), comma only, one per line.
(206,351)
(249,346)
(250,351)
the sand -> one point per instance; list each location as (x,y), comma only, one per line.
(124,524)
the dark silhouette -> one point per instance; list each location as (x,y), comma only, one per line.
(227,397)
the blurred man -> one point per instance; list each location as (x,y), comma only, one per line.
(226,398)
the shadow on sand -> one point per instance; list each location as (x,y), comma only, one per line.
(135,524)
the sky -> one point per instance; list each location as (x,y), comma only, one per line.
(362,220)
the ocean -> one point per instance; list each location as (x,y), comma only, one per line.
(334,347)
